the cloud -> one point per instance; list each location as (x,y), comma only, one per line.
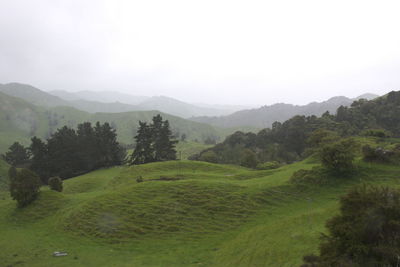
(241,52)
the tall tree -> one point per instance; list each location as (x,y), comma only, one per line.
(17,155)
(39,160)
(144,151)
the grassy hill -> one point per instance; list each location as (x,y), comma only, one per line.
(183,214)
(19,120)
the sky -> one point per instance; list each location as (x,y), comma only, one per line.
(227,52)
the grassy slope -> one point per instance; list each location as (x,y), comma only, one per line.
(214,215)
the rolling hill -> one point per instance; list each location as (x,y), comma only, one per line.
(20,120)
(264,117)
(185,213)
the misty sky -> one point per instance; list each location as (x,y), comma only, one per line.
(229,52)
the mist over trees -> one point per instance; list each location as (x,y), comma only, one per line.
(290,141)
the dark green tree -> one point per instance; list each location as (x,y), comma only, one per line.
(164,143)
(366,232)
(17,155)
(144,151)
(24,187)
(338,157)
(39,160)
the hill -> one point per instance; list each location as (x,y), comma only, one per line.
(264,117)
(119,102)
(20,120)
(183,214)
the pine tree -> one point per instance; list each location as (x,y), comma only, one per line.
(39,159)
(165,144)
(144,152)
(17,155)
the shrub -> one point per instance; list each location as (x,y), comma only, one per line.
(377,154)
(367,230)
(139,179)
(314,176)
(56,184)
(269,165)
(376,133)
(24,187)
(248,159)
(338,157)
(209,156)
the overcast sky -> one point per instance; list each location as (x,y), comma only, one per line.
(230,52)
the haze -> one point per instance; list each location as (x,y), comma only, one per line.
(227,52)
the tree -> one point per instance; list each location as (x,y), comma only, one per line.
(248,159)
(17,155)
(338,157)
(144,151)
(39,160)
(56,184)
(24,186)
(154,142)
(366,232)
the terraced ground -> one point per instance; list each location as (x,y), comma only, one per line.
(184,213)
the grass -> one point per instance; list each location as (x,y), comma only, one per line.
(184,213)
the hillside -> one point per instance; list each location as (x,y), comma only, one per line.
(20,120)
(183,214)
(264,117)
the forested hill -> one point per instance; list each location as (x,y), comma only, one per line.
(266,115)
(288,141)
(20,120)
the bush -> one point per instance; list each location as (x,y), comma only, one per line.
(366,232)
(209,156)
(314,176)
(24,186)
(139,179)
(338,157)
(377,154)
(56,184)
(269,165)
(248,159)
(376,133)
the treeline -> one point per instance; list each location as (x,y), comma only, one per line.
(69,152)
(290,141)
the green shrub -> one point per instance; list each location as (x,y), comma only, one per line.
(338,157)
(269,165)
(139,179)
(56,184)
(314,176)
(24,187)
(248,159)
(376,133)
(209,156)
(365,233)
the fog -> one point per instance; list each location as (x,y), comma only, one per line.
(227,52)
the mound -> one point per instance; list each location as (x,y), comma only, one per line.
(160,209)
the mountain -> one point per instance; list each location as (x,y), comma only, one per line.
(266,115)
(20,120)
(100,96)
(118,102)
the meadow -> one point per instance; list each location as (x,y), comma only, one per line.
(184,213)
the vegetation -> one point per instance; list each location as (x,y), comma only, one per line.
(56,184)
(365,233)
(24,186)
(154,142)
(301,136)
(17,155)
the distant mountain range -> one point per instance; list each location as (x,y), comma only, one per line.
(264,116)
(105,101)
(20,120)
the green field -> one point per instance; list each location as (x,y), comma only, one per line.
(185,213)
